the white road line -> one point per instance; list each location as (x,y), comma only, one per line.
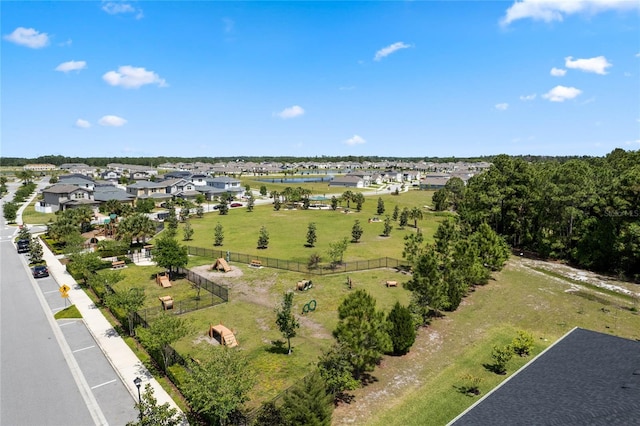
(57,309)
(102,384)
(84,349)
(83,387)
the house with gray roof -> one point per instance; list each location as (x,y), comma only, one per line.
(585,378)
(62,196)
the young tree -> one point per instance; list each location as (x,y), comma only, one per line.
(170,254)
(347,196)
(269,415)
(380,208)
(223,207)
(152,414)
(314,261)
(404,217)
(187,231)
(263,238)
(501,356)
(396,212)
(523,343)
(356,232)
(276,203)
(286,321)
(35,250)
(493,249)
(250,202)
(162,332)
(337,249)
(358,198)
(171,222)
(219,384)
(24,233)
(387,226)
(83,264)
(334,203)
(311,234)
(184,213)
(308,402)
(427,284)
(219,235)
(263,190)
(127,301)
(363,331)
(200,210)
(401,329)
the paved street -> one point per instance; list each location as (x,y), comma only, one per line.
(52,372)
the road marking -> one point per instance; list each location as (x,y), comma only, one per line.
(83,387)
(102,384)
(67,322)
(84,349)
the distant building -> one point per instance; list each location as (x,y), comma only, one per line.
(39,167)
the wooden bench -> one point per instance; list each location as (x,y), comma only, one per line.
(392,283)
(256,263)
(118,264)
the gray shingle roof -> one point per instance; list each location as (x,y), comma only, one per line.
(586,378)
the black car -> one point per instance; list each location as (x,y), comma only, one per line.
(40,271)
(23,246)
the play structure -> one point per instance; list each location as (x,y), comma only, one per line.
(162,279)
(304,285)
(221,265)
(309,307)
(223,335)
(392,284)
(167,302)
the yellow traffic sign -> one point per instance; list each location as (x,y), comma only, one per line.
(64,289)
(64,294)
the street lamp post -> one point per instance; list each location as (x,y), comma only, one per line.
(137,381)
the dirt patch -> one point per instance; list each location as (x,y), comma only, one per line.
(212,274)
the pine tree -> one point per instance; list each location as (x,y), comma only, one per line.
(387,226)
(311,235)
(263,238)
(380,209)
(286,321)
(356,232)
(401,329)
(308,402)
(219,235)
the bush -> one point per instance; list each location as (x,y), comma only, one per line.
(501,356)
(401,329)
(522,344)
(470,384)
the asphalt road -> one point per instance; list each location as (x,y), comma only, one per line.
(51,372)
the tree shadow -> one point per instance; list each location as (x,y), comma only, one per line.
(344,398)
(494,369)
(278,347)
(467,390)
(367,379)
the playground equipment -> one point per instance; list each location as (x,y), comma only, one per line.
(309,307)
(304,285)
(392,284)
(167,302)
(162,279)
(223,335)
(255,263)
(221,265)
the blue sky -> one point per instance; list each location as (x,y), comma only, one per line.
(408,79)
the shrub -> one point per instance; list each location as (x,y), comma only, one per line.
(501,356)
(522,344)
(470,384)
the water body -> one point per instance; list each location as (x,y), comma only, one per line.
(298,179)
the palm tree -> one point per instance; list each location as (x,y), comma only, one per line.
(347,196)
(415,214)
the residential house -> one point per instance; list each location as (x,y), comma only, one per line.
(348,182)
(63,196)
(44,167)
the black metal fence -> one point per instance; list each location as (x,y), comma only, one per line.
(289,265)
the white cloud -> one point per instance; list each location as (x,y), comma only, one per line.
(561,93)
(82,124)
(116,8)
(597,65)
(71,66)
(556,10)
(528,97)
(112,121)
(131,77)
(502,107)
(386,51)
(355,140)
(291,112)
(557,72)
(28,37)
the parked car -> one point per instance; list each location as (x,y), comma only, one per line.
(40,271)
(236,205)
(23,246)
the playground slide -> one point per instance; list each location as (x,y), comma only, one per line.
(164,282)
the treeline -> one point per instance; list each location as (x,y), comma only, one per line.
(154,161)
(585,211)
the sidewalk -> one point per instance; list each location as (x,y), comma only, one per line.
(124,361)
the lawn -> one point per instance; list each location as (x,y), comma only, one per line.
(288,229)
(421,387)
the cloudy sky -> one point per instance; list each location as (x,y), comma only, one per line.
(416,78)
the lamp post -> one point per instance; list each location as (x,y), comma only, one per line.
(137,381)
